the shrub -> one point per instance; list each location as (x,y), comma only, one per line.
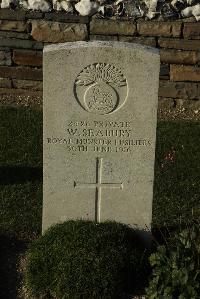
(83,259)
(176,267)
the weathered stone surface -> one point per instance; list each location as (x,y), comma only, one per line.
(191,30)
(55,32)
(20,44)
(27,84)
(146,41)
(164,71)
(9,14)
(180,103)
(13,34)
(180,90)
(178,109)
(20,73)
(179,57)
(166,103)
(103,37)
(99,154)
(184,73)
(62,16)
(15,91)
(30,14)
(5,83)
(181,44)
(27,57)
(168,29)
(189,20)
(19,26)
(112,27)
(5,58)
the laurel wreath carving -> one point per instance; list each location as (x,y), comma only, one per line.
(101,72)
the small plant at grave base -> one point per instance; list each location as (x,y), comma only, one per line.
(84,259)
(176,267)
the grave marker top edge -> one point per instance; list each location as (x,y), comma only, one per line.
(83,44)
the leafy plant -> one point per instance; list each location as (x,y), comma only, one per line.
(176,267)
(84,259)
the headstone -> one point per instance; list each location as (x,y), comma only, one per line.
(100,111)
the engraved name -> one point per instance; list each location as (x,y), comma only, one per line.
(99,136)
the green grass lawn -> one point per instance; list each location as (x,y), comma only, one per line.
(20,172)
(177,172)
(176,188)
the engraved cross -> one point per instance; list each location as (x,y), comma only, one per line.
(98,186)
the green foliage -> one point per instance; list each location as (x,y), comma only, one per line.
(21,209)
(20,172)
(83,259)
(177,173)
(20,137)
(176,267)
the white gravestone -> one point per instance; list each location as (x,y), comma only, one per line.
(100,111)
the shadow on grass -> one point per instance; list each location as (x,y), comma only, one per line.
(19,174)
(10,249)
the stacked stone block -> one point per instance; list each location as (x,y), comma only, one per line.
(23,35)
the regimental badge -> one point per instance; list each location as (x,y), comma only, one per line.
(101,88)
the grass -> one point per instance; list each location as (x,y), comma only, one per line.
(20,137)
(176,187)
(83,259)
(20,190)
(20,171)
(177,172)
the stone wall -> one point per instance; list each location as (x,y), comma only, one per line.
(24,33)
